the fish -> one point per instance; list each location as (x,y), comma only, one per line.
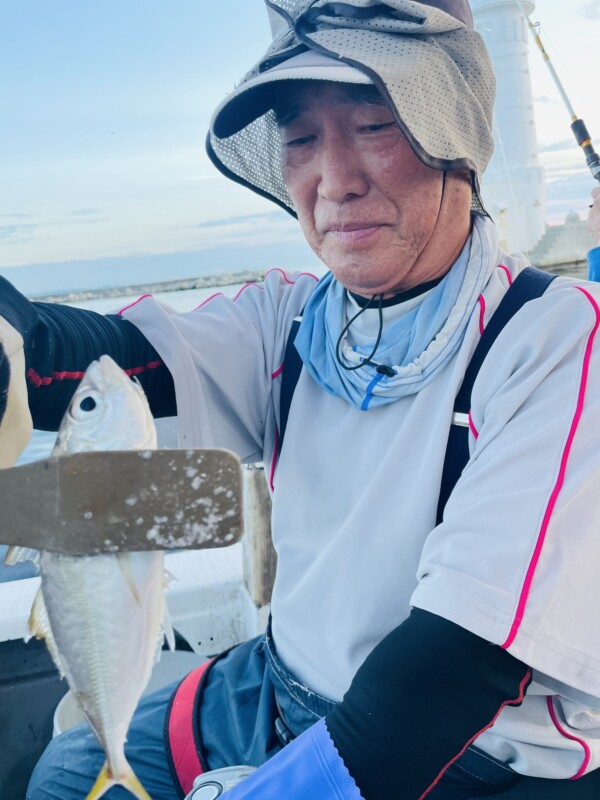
(104,617)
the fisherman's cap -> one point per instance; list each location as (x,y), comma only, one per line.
(426,60)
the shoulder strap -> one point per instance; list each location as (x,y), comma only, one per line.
(528,285)
(292,367)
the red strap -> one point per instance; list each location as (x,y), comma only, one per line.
(181,729)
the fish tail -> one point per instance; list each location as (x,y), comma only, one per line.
(106,780)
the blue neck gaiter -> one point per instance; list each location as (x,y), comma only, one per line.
(415,346)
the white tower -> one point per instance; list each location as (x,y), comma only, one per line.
(513,185)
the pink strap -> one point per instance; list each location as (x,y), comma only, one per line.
(182,740)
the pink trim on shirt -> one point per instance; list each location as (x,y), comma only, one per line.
(508,275)
(516,701)
(474,430)
(38,381)
(257,285)
(139,370)
(586,748)
(131,305)
(277,373)
(56,376)
(481,313)
(559,481)
(208,299)
(285,276)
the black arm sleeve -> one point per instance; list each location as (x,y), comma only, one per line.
(61,342)
(420,698)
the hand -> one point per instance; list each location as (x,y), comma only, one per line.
(594,216)
(15,419)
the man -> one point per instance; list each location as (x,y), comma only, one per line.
(411,654)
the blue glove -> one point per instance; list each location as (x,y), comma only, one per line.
(309,767)
(594,264)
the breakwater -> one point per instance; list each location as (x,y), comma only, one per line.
(183,284)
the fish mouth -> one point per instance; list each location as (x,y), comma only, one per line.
(102,376)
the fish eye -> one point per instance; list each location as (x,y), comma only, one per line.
(87,404)
(84,405)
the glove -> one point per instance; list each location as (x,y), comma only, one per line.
(309,767)
(15,420)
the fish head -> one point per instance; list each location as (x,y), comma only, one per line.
(109,411)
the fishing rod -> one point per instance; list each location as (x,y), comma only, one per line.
(578,126)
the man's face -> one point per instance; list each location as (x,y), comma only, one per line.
(367,206)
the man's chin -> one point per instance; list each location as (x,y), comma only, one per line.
(359,279)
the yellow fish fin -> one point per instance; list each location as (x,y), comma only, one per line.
(105,781)
(125,566)
(17,555)
(38,624)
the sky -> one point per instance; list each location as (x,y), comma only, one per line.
(105,108)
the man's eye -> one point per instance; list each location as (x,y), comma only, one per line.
(299,141)
(378,126)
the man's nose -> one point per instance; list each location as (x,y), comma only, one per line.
(342,176)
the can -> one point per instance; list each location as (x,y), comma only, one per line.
(213,784)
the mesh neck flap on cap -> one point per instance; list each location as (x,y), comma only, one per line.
(460,9)
(426,60)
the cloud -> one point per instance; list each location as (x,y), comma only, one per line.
(545,100)
(85,212)
(591,9)
(85,221)
(555,147)
(206,177)
(44,231)
(244,219)
(567,190)
(10,234)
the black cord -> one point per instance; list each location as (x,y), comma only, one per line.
(381,368)
(346,328)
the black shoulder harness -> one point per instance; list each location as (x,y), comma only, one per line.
(529,284)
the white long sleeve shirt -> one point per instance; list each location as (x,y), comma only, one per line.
(517,557)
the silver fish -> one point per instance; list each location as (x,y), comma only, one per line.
(102,616)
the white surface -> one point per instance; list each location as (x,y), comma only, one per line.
(207,601)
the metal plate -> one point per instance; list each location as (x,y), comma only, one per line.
(99,502)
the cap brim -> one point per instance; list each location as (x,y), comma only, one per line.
(255,97)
